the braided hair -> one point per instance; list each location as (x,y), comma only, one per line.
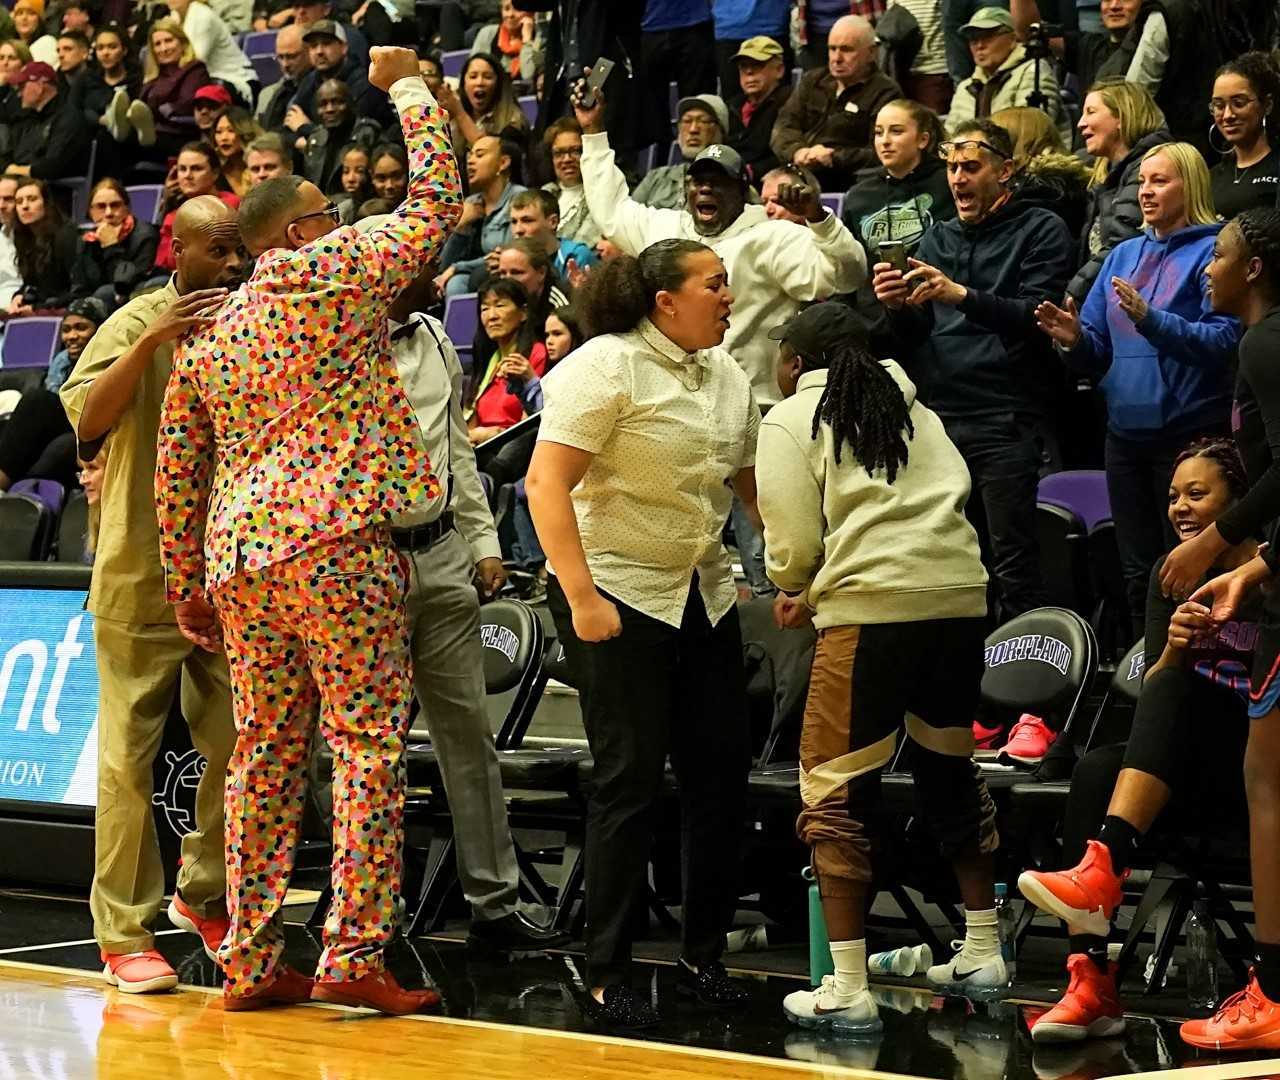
(1223,453)
(1260,229)
(864,407)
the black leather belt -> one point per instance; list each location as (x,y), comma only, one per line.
(421,537)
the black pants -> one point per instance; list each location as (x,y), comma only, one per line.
(652,691)
(1003,453)
(38,441)
(685,57)
(1188,732)
(1138,475)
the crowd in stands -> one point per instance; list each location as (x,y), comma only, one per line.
(1021,201)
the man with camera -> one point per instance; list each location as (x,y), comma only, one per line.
(963,313)
(1007,74)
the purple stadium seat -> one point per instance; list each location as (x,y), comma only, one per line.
(674,156)
(461,318)
(1082,491)
(259,43)
(30,342)
(529,106)
(833,201)
(268,71)
(145,201)
(453,62)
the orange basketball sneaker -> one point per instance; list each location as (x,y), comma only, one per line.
(1248,1020)
(1084,897)
(1090,1008)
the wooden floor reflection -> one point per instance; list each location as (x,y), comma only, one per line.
(62,1026)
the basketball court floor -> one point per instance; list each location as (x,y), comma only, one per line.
(505,1019)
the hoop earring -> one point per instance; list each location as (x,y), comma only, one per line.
(1230,149)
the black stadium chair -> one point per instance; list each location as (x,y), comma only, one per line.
(515,651)
(26,529)
(73,529)
(1064,558)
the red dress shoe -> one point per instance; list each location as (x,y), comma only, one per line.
(289,987)
(377,990)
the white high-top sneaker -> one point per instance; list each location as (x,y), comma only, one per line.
(822,1007)
(962,973)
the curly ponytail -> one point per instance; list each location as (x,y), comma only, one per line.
(620,292)
(864,406)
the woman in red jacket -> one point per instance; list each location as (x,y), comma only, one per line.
(509,359)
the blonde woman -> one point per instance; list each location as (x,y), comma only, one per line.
(1119,122)
(164,114)
(1045,172)
(1165,372)
(212,42)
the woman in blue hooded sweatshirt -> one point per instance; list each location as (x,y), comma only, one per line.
(1164,357)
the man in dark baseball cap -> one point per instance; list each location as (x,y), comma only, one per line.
(49,135)
(716,188)
(810,337)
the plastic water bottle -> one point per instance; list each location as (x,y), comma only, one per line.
(1007,924)
(1202,957)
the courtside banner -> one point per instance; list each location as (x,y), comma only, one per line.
(48,697)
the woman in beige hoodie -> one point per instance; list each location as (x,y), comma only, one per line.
(862,496)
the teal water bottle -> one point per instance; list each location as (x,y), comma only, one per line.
(820,962)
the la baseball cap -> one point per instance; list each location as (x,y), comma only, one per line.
(722,157)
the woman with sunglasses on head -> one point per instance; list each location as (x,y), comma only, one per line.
(1244,282)
(1245,94)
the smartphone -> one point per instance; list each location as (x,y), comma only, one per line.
(600,71)
(895,254)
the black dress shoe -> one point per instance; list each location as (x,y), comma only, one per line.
(710,984)
(621,1008)
(515,932)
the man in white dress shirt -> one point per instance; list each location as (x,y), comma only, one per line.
(452,546)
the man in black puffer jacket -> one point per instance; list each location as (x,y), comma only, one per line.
(964,318)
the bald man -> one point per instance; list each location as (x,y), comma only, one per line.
(287,445)
(113,400)
(828,122)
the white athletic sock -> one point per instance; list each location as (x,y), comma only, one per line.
(850,958)
(981,934)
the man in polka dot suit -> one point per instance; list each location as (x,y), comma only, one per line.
(286,444)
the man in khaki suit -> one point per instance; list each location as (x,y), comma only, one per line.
(114,397)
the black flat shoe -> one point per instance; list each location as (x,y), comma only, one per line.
(516,933)
(710,985)
(622,1008)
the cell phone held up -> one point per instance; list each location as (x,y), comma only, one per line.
(894,253)
(600,72)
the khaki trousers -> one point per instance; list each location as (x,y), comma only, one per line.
(140,668)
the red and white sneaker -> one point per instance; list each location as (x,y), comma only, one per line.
(1029,741)
(212,931)
(986,738)
(1090,1009)
(1248,1020)
(139,972)
(1084,897)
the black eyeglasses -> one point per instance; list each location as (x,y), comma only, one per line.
(946,149)
(333,212)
